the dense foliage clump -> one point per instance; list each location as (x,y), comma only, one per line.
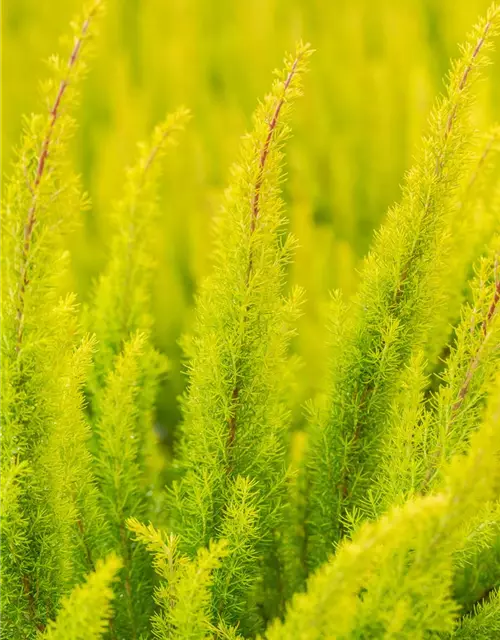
(381,518)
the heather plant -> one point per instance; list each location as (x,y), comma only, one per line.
(380,518)
(50,516)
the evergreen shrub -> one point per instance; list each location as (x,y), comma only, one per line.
(380,520)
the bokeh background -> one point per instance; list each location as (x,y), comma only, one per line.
(378,66)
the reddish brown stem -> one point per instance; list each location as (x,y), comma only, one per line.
(475,362)
(265,148)
(40,172)
(493,307)
(31,603)
(439,162)
(254,217)
(28,234)
(85,544)
(461,86)
(464,389)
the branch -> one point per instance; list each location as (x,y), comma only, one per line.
(34,188)
(438,169)
(256,212)
(469,375)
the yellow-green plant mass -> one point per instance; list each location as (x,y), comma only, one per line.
(243,393)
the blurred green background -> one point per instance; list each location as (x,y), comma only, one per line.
(378,66)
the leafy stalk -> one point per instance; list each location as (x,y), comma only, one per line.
(471,365)
(126,375)
(184,596)
(234,415)
(85,613)
(377,585)
(121,302)
(393,313)
(484,623)
(49,488)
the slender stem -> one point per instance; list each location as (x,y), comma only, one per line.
(494,302)
(40,172)
(485,325)
(265,148)
(461,86)
(154,152)
(27,588)
(439,159)
(125,310)
(34,189)
(254,218)
(405,272)
(482,160)
(88,552)
(468,377)
(128,587)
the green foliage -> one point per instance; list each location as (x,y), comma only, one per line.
(184,597)
(48,497)
(127,371)
(472,227)
(395,561)
(121,301)
(85,612)
(484,623)
(232,453)
(392,315)
(118,473)
(380,519)
(405,446)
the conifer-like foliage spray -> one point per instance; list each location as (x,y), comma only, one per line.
(375,513)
